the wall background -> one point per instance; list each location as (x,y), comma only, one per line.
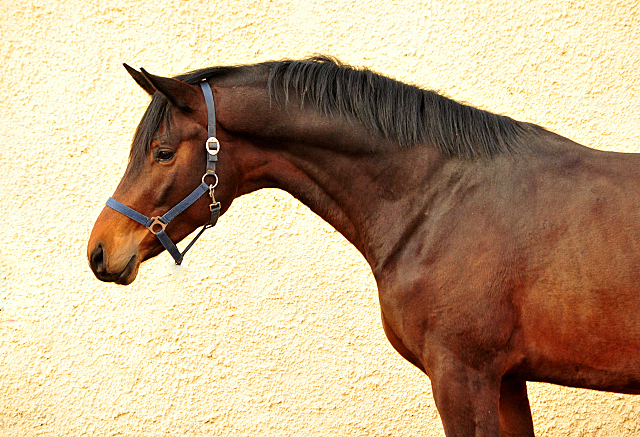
(274,328)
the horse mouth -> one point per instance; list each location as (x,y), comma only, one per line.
(129,273)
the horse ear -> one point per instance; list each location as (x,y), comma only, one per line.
(140,79)
(180,94)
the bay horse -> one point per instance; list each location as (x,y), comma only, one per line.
(503,253)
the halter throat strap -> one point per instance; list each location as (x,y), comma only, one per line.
(158,224)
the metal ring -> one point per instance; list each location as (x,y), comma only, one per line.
(156,221)
(207,146)
(215,184)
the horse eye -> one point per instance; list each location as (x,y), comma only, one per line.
(164,155)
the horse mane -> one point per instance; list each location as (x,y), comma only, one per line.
(394,110)
(406,114)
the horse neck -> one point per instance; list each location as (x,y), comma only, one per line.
(365,187)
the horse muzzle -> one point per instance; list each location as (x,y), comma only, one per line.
(113,250)
(100,267)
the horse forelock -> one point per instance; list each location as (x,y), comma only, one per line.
(157,112)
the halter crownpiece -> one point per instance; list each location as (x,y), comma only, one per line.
(158,224)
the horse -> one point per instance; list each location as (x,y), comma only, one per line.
(502,252)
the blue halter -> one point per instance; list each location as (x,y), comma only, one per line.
(158,224)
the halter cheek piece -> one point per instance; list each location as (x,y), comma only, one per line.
(157,225)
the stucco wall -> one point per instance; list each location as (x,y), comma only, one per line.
(274,328)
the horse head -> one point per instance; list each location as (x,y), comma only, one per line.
(170,157)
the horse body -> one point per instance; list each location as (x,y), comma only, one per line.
(548,261)
(492,270)
(525,270)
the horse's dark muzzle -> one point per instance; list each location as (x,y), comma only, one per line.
(98,264)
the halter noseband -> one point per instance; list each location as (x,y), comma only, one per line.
(157,225)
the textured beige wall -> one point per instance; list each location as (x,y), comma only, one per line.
(274,328)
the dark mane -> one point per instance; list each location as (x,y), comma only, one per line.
(391,109)
(395,110)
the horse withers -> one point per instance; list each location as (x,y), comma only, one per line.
(503,253)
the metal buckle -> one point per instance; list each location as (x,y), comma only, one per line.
(212,140)
(156,221)
(215,184)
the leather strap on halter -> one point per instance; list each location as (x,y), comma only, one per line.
(211,108)
(212,153)
(157,225)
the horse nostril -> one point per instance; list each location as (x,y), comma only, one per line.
(97,260)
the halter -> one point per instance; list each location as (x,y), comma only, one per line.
(158,224)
